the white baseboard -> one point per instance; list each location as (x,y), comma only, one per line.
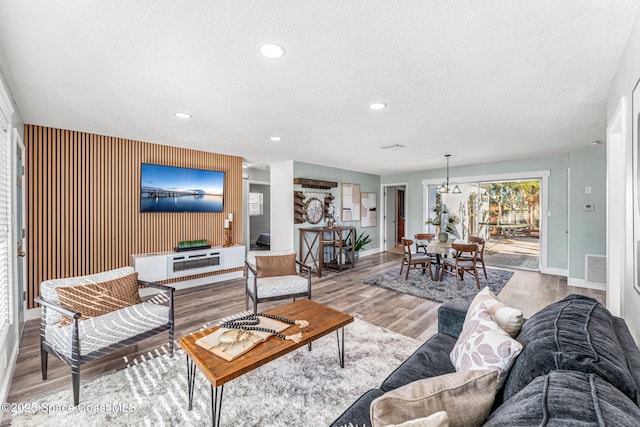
(8,376)
(555,271)
(370,252)
(32,313)
(581,283)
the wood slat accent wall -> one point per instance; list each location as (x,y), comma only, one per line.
(83,203)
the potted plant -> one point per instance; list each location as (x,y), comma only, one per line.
(444,222)
(360,242)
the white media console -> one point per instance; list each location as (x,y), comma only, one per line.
(154,267)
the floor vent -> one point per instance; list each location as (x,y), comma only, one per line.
(595,267)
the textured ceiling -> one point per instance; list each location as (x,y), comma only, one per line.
(487,81)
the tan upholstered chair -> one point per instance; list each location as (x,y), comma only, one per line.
(414,259)
(464,260)
(275,275)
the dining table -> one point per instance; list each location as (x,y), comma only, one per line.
(439,249)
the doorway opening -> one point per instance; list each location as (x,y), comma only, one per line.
(259,216)
(395,216)
(504,213)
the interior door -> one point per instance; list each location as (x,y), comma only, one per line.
(400,215)
(390,218)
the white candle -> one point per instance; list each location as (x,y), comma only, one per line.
(226,223)
(230,217)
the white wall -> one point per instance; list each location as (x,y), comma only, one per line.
(282,206)
(625,79)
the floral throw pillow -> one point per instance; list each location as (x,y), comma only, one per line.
(482,344)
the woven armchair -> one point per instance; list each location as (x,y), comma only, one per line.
(71,336)
(275,276)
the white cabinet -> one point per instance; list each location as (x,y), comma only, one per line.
(155,267)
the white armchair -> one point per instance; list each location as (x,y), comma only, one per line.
(275,275)
(87,334)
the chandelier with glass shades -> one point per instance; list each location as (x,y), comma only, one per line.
(444,188)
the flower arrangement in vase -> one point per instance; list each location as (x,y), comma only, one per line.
(444,222)
(332,215)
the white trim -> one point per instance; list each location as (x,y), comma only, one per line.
(616,187)
(8,375)
(32,314)
(581,283)
(370,252)
(555,271)
(511,176)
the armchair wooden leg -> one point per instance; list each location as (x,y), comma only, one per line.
(171,333)
(75,380)
(44,359)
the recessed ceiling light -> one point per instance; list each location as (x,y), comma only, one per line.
(275,138)
(272,50)
(182,115)
(377,106)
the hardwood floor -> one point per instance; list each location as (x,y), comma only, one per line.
(204,306)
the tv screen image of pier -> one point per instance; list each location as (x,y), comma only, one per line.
(176,189)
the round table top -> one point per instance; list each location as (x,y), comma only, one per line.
(442,248)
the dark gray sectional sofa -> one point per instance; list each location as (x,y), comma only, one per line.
(579,366)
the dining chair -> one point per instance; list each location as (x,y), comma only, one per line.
(480,259)
(464,260)
(415,259)
(423,237)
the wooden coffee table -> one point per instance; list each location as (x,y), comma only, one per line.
(322,321)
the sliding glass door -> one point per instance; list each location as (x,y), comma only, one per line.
(504,213)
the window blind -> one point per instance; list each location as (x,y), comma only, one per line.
(5,228)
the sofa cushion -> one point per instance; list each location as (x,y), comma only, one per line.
(567,398)
(430,360)
(509,319)
(576,333)
(280,285)
(358,413)
(465,396)
(280,265)
(99,298)
(485,345)
(102,331)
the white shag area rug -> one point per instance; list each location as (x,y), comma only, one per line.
(303,388)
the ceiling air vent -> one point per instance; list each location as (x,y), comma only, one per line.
(393,147)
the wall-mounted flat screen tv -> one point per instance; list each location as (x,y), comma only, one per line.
(174,189)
